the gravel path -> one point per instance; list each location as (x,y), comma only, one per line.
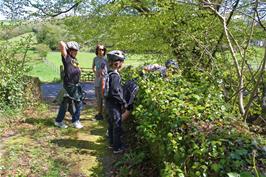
(50,90)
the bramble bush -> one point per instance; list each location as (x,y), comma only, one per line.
(189,130)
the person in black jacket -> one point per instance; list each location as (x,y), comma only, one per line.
(115,100)
(73,96)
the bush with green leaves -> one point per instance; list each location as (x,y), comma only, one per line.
(50,34)
(190,130)
(13,69)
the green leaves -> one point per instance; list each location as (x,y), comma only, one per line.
(12,74)
(189,127)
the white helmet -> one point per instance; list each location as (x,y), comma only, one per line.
(72,45)
(115,55)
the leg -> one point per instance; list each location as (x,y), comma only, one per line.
(117,127)
(110,122)
(76,113)
(98,95)
(110,130)
(100,109)
(62,110)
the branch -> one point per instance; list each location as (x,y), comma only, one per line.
(241,103)
(56,13)
(256,86)
(248,42)
(137,4)
(259,21)
(222,34)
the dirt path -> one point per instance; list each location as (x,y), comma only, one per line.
(38,148)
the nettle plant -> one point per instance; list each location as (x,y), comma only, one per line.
(189,128)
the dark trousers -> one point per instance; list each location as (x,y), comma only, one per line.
(114,124)
(67,104)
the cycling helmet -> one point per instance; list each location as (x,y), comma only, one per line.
(171,63)
(73,45)
(115,55)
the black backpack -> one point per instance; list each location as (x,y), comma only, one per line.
(130,90)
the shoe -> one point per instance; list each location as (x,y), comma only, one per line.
(118,151)
(99,117)
(60,124)
(77,124)
(107,134)
(121,149)
(110,146)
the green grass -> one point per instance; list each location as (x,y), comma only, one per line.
(45,73)
(50,73)
(85,59)
(35,147)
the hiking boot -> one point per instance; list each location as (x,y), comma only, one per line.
(99,117)
(60,124)
(77,124)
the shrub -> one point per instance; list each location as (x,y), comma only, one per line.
(189,129)
(50,35)
(13,70)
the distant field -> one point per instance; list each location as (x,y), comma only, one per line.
(49,72)
(20,37)
(85,59)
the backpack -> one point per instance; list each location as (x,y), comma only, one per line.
(106,83)
(130,90)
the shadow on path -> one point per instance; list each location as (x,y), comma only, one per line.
(49,91)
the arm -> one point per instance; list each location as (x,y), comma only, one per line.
(93,66)
(63,48)
(103,68)
(116,90)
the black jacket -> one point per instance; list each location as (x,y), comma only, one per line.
(115,95)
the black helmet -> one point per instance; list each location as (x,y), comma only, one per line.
(171,63)
(73,45)
(115,55)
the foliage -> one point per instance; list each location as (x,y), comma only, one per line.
(187,31)
(13,70)
(189,128)
(50,34)
(12,30)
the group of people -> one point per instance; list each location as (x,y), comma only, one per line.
(111,102)
(114,101)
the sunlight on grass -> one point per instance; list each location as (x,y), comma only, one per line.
(38,148)
(85,59)
(51,72)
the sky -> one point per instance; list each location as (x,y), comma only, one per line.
(2,17)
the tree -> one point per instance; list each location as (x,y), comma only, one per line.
(191,31)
